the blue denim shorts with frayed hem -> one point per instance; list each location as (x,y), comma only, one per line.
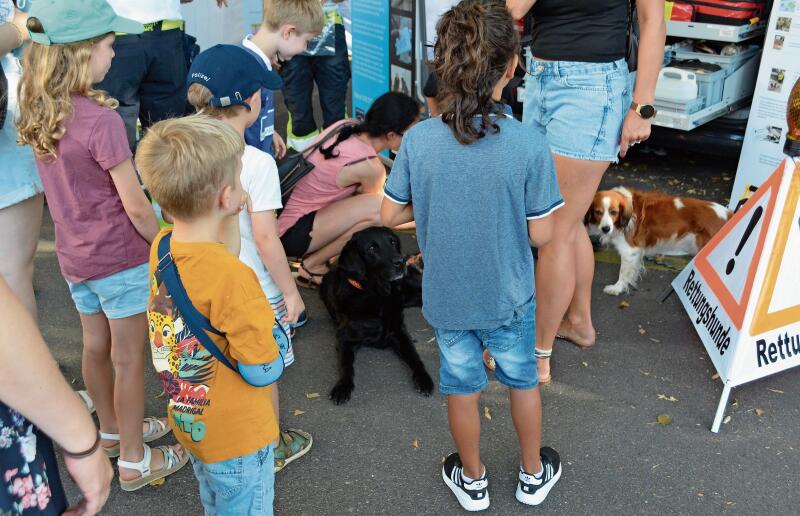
(581,106)
(461,369)
(123,294)
(241,485)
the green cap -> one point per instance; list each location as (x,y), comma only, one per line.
(69,21)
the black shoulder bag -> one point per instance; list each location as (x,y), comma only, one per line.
(295,165)
(632,54)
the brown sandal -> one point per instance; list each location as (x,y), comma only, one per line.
(308,282)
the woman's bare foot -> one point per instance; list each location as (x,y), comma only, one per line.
(156,463)
(581,337)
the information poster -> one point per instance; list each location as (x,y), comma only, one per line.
(370,66)
(766,128)
(212,25)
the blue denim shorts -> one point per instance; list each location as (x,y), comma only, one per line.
(120,295)
(581,106)
(461,369)
(241,485)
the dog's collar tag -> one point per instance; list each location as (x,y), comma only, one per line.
(355,283)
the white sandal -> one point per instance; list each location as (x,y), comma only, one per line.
(87,400)
(156,429)
(172,463)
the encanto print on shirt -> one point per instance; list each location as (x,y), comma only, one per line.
(184,367)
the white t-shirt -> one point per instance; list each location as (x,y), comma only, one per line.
(148,11)
(246,43)
(260,181)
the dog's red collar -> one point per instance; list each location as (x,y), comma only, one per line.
(355,283)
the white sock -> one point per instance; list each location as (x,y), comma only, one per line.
(467,479)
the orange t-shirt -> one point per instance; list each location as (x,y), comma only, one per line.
(213,412)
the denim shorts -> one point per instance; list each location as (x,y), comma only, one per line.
(241,485)
(120,295)
(581,106)
(461,369)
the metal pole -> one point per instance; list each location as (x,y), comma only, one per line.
(723,404)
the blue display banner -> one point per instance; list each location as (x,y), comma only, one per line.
(370,74)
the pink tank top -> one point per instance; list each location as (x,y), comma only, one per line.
(319,189)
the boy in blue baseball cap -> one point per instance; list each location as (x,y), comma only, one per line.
(226,82)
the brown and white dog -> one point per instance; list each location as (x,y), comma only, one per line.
(640,224)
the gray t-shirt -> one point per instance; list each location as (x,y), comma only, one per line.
(471,204)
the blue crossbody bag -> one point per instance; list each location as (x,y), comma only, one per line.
(257,375)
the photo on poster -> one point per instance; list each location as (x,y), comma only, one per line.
(401,39)
(788,6)
(770,134)
(776,78)
(778,43)
(402,5)
(784,23)
(402,80)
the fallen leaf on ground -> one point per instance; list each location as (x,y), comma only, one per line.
(415,443)
(715,376)
(159,482)
(431,339)
(667,398)
(726,420)
(585,364)
(312,395)
(641,330)
(298,412)
(700,494)
(664,419)
(487,414)
(775,390)
(760,412)
(624,304)
(654,340)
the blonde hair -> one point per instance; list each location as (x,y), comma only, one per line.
(52,75)
(184,162)
(306,15)
(199,96)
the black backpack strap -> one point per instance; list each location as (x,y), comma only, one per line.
(196,321)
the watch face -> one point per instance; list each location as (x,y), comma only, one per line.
(647,111)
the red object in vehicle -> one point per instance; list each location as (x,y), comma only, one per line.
(682,12)
(726,12)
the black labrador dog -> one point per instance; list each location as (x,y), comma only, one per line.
(365,293)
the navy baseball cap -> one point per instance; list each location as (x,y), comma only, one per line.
(232,74)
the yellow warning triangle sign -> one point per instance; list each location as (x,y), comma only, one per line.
(779,301)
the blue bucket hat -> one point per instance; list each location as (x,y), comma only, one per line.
(232,74)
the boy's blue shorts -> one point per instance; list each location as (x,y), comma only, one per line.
(461,369)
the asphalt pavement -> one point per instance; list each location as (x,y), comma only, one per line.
(381,453)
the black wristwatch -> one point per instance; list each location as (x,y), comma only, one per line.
(646,111)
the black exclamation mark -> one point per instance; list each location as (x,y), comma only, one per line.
(750,226)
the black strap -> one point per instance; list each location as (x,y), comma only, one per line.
(310,150)
(196,321)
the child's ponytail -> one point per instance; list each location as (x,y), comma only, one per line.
(476,40)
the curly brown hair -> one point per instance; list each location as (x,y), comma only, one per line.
(476,41)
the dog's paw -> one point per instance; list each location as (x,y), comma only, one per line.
(340,394)
(424,383)
(615,289)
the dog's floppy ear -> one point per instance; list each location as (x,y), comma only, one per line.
(625,211)
(351,262)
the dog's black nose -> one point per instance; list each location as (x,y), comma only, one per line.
(605,229)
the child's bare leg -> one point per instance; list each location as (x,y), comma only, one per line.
(128,336)
(526,411)
(98,375)
(465,427)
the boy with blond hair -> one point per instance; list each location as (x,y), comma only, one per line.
(225,82)
(192,166)
(286,28)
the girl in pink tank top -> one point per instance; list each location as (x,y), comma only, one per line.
(343,193)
